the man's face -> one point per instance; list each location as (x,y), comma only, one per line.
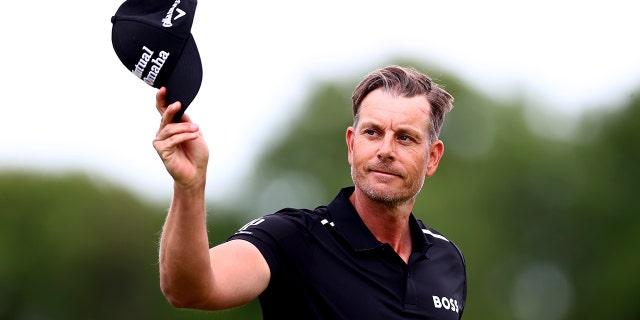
(389,150)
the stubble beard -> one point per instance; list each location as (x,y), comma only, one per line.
(391,199)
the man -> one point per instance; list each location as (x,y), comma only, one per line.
(363,256)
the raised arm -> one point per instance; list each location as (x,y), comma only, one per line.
(191,274)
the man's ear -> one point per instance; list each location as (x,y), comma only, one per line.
(349,136)
(436,150)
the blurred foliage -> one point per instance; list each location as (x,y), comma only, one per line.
(548,223)
(73,247)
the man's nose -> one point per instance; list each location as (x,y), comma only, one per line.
(387,148)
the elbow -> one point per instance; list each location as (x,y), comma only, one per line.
(177,298)
(177,302)
(185,298)
(174,299)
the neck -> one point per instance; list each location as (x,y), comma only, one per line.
(389,224)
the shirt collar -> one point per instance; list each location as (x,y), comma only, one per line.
(348,224)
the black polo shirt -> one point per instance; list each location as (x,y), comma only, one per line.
(326,264)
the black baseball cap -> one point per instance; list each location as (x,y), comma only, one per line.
(153,40)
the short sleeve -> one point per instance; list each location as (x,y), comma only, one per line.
(282,238)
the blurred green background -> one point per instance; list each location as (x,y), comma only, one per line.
(543,206)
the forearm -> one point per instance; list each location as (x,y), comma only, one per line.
(185,268)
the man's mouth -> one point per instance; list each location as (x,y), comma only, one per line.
(384,172)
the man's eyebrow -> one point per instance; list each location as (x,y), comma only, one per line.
(369,123)
(414,133)
(409,129)
(403,129)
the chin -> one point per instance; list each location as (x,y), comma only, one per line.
(389,196)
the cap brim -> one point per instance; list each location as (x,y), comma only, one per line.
(186,78)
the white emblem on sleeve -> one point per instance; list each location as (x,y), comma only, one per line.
(251,223)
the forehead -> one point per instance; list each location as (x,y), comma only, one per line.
(381,105)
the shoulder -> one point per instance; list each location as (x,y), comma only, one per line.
(288,224)
(282,235)
(440,240)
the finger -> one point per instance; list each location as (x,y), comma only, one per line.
(169,114)
(167,142)
(161,100)
(177,129)
(185,118)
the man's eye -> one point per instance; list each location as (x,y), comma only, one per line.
(404,138)
(370,132)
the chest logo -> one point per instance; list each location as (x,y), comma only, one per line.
(446,303)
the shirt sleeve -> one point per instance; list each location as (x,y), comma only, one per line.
(281,238)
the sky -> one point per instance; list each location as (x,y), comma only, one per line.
(70,105)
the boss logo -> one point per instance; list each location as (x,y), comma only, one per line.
(446,303)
